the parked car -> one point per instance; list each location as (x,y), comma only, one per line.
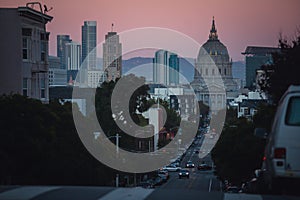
(233,189)
(146,184)
(171,168)
(163,174)
(204,166)
(190,164)
(282,152)
(184,173)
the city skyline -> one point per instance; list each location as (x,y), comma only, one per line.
(258,25)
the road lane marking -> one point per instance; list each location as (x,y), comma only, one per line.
(136,193)
(210,183)
(25,193)
(228,196)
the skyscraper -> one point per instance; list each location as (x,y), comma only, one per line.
(61,49)
(73,59)
(89,43)
(73,55)
(112,56)
(165,68)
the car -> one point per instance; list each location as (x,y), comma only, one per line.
(171,168)
(157,181)
(176,163)
(233,189)
(146,184)
(281,163)
(204,166)
(164,174)
(184,173)
(190,164)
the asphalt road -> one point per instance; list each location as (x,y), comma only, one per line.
(200,185)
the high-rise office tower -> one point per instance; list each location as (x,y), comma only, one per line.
(89,43)
(112,56)
(165,68)
(61,49)
(73,59)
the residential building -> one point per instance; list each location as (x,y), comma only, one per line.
(24,51)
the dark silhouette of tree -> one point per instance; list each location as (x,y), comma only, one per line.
(238,152)
(284,71)
(39,145)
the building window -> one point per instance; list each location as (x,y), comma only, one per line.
(225,71)
(43,93)
(206,71)
(26,34)
(25,87)
(43,51)
(220,71)
(25,48)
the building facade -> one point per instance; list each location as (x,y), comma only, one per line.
(57,76)
(112,56)
(96,78)
(73,59)
(61,49)
(213,82)
(89,43)
(24,52)
(165,68)
(256,57)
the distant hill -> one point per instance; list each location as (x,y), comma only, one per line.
(185,66)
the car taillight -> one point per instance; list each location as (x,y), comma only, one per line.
(264,158)
(279,153)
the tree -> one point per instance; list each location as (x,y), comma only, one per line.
(238,152)
(284,71)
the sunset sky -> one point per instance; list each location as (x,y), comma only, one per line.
(240,23)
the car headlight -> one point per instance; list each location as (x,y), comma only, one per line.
(187,173)
(180,173)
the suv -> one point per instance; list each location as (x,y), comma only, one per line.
(282,153)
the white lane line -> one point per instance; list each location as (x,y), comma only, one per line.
(242,197)
(210,184)
(25,193)
(137,193)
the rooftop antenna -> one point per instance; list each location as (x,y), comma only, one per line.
(112,27)
(46,9)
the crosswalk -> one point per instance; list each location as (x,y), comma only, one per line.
(109,193)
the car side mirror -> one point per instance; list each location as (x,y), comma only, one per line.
(261,133)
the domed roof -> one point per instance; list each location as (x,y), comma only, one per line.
(213,47)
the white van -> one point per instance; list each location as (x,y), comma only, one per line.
(282,155)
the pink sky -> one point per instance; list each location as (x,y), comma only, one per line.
(239,23)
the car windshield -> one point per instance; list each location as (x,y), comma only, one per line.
(184,171)
(293,112)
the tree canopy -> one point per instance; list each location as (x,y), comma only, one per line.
(285,69)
